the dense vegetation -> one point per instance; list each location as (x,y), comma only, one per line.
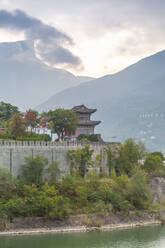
(23,126)
(89,137)
(42,189)
(28,136)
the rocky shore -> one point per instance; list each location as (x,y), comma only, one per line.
(79,228)
(81,223)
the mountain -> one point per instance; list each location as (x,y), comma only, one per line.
(26,81)
(130,103)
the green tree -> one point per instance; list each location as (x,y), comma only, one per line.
(153,163)
(7,111)
(17,125)
(139,193)
(54,172)
(62,121)
(80,159)
(160,154)
(112,155)
(74,188)
(6,183)
(32,170)
(129,156)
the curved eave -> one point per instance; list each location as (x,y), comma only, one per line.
(90,111)
(90,123)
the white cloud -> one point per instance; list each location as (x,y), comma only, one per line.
(108,35)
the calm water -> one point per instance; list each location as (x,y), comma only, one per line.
(152,237)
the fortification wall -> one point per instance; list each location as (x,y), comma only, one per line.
(12,154)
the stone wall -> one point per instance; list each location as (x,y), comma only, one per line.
(157,186)
(12,154)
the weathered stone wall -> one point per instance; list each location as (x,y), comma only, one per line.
(12,154)
(157,186)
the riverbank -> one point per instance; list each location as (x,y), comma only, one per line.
(81,223)
(79,229)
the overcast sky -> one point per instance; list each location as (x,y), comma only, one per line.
(87,37)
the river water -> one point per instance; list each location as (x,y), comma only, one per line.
(147,237)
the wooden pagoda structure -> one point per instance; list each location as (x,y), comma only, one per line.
(85,125)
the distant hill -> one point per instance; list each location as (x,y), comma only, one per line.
(131,103)
(25,81)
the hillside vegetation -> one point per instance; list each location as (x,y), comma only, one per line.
(43,190)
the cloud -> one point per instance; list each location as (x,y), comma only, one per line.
(53,44)
(95,27)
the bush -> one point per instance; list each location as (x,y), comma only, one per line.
(59,208)
(27,137)
(91,137)
(55,206)
(153,163)
(5,136)
(32,170)
(138,192)
(16,207)
(92,188)
(74,188)
(105,190)
(113,192)
(35,202)
(31,136)
(6,183)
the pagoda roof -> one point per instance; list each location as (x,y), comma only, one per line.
(83,109)
(88,123)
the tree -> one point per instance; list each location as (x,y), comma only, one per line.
(160,154)
(129,156)
(7,111)
(112,155)
(80,160)
(32,170)
(62,121)
(139,192)
(153,163)
(31,118)
(54,172)
(6,183)
(17,125)
(44,121)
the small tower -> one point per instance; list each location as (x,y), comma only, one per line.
(85,125)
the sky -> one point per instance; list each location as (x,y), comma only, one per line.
(86,37)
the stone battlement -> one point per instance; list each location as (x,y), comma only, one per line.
(52,144)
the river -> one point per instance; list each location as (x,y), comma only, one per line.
(147,237)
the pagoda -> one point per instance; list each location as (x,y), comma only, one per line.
(85,125)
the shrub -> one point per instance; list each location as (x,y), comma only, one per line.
(97,224)
(105,189)
(5,136)
(31,136)
(6,183)
(138,192)
(89,223)
(32,170)
(80,160)
(16,207)
(90,137)
(74,188)
(59,208)
(153,163)
(54,173)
